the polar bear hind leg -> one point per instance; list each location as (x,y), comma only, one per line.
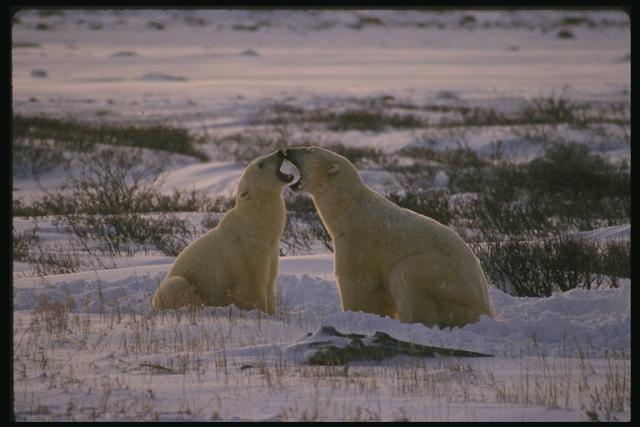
(359,294)
(414,305)
(175,292)
(424,295)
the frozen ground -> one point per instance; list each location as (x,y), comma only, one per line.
(87,346)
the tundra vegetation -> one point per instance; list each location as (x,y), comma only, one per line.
(522,217)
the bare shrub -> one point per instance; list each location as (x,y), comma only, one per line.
(34,157)
(431,203)
(22,243)
(368,120)
(28,247)
(415,177)
(79,136)
(567,188)
(304,226)
(247,145)
(104,200)
(210,221)
(538,268)
(296,237)
(45,262)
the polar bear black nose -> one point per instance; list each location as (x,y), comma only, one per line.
(282,153)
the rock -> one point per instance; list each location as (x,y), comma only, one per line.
(327,346)
(37,73)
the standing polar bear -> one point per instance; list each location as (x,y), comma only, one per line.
(237,261)
(389,260)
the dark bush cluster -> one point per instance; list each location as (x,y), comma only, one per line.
(359,156)
(434,204)
(72,135)
(27,247)
(304,226)
(512,212)
(22,242)
(245,146)
(567,188)
(369,120)
(518,208)
(105,199)
(541,267)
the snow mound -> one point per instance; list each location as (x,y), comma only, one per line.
(590,323)
(216,178)
(614,232)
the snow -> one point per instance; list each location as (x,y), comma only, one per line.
(213,177)
(112,358)
(554,326)
(578,327)
(615,232)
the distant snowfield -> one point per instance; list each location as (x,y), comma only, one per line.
(206,66)
(113,358)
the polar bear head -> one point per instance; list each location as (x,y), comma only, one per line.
(320,169)
(263,177)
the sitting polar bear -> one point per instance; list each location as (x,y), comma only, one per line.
(390,260)
(237,261)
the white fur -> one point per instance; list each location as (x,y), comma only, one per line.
(390,260)
(237,261)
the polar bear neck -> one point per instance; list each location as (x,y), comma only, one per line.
(337,202)
(263,216)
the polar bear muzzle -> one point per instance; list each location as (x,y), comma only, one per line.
(294,156)
(282,175)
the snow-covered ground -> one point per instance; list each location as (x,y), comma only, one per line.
(87,345)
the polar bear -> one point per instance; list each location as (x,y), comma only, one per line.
(237,261)
(390,260)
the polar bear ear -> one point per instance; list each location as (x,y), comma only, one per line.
(334,168)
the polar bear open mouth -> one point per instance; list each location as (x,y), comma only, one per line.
(289,173)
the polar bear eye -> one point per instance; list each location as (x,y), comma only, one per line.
(260,165)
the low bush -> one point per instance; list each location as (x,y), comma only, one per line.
(369,120)
(433,203)
(22,243)
(304,226)
(34,157)
(44,263)
(541,267)
(359,156)
(566,189)
(79,136)
(245,146)
(104,200)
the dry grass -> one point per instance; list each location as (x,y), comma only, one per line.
(184,365)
